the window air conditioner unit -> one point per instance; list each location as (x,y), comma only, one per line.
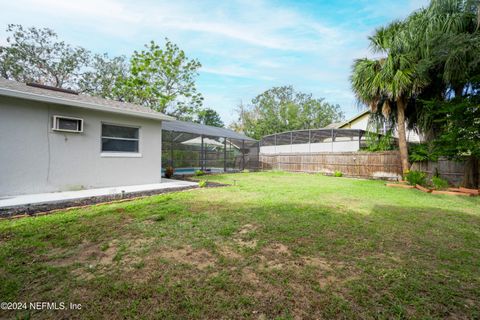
(67,124)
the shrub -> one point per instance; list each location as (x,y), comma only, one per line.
(439,183)
(422,152)
(416,177)
(377,143)
(199,173)
(169,172)
(202,184)
(338,174)
(246,171)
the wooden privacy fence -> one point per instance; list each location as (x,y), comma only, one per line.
(452,171)
(380,165)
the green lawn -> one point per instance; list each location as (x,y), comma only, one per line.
(274,245)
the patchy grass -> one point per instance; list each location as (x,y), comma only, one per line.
(275,245)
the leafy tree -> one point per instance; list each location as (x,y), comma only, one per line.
(209,117)
(282,109)
(164,80)
(459,135)
(35,55)
(104,76)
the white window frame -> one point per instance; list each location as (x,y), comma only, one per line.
(58,117)
(121,154)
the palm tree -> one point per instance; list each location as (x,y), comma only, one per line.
(444,36)
(389,81)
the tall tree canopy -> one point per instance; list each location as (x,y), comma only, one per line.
(36,55)
(282,109)
(164,80)
(104,76)
(209,117)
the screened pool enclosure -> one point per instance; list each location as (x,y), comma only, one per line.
(314,140)
(188,146)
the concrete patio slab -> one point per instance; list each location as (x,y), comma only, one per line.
(55,200)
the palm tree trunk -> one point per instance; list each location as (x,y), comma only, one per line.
(402,138)
(458,91)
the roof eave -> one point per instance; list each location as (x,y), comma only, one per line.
(353,119)
(80,104)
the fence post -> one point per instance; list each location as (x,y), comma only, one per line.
(332,140)
(202,156)
(275,136)
(171,148)
(309,140)
(360,133)
(225,154)
(291,141)
(258,156)
(243,155)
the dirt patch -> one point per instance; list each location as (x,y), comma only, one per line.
(86,252)
(246,243)
(249,276)
(247,229)
(320,263)
(96,258)
(199,258)
(243,236)
(276,249)
(107,256)
(83,274)
(228,252)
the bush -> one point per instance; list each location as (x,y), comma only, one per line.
(338,174)
(377,143)
(439,183)
(202,184)
(199,173)
(169,171)
(416,177)
(246,171)
(422,152)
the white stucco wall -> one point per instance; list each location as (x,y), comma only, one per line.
(34,158)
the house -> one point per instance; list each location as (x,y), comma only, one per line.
(362,121)
(57,140)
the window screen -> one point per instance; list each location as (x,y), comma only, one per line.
(69,124)
(119,138)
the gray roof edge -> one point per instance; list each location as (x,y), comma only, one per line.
(81,104)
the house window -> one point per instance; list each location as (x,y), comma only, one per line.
(117,138)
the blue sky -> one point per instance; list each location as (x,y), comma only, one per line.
(245,47)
